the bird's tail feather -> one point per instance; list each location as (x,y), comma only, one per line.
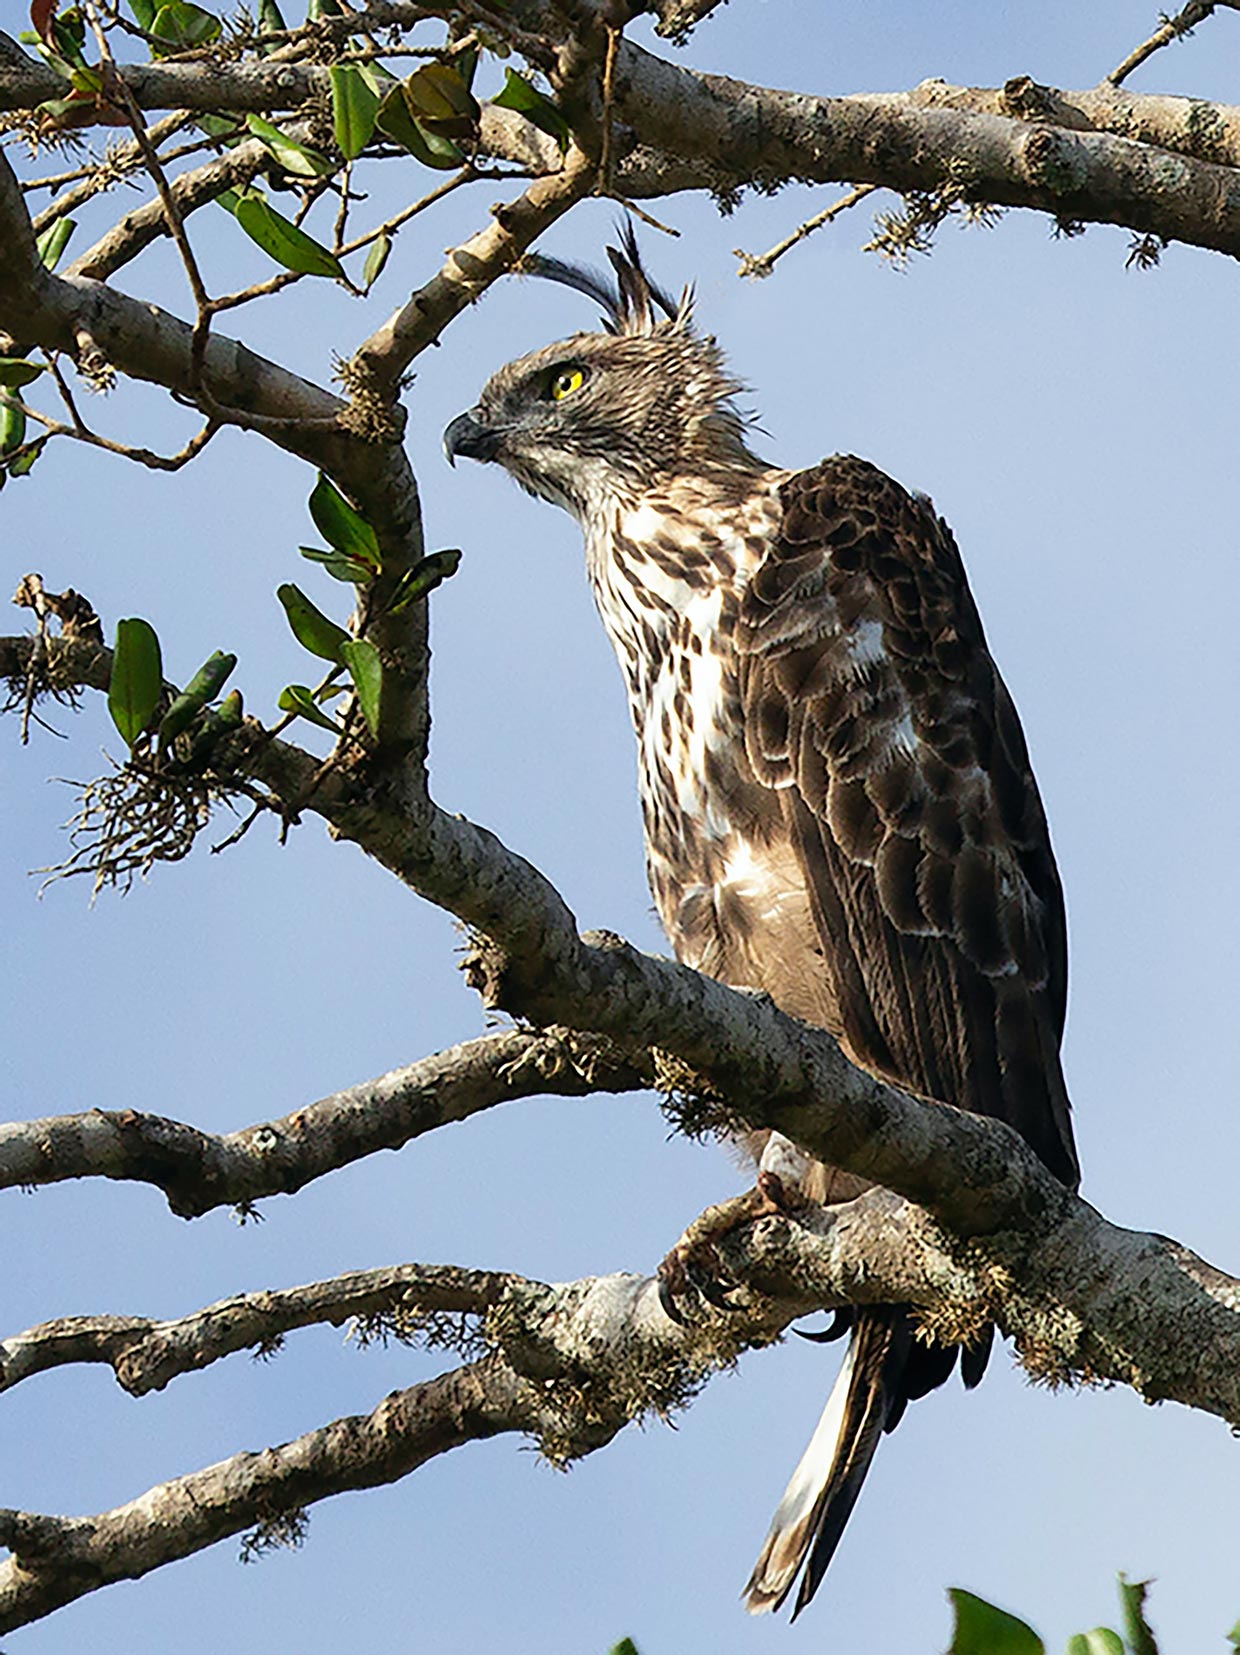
(820,1497)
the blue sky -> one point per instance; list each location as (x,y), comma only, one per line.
(1075,421)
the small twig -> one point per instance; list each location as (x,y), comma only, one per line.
(116,166)
(286,278)
(129,105)
(1173,28)
(646,218)
(755,264)
(342,216)
(81,432)
(31,595)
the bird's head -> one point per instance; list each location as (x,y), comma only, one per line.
(611,414)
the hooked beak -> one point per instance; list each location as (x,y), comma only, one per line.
(468,437)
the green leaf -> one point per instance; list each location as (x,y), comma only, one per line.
(323,8)
(395,118)
(379,79)
(210,678)
(366,670)
(981,1629)
(231,710)
(143,13)
(15,372)
(69,36)
(340,524)
(52,243)
(52,106)
(536,106)
(339,566)
(202,688)
(626,1646)
(12,426)
(440,100)
(296,698)
(466,64)
(20,466)
(181,25)
(87,80)
(1101,1641)
(279,237)
(375,260)
(355,104)
(424,577)
(294,157)
(270,20)
(311,627)
(213,727)
(1137,1629)
(226,128)
(137,679)
(1233,1637)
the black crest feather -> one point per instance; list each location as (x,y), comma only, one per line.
(629,301)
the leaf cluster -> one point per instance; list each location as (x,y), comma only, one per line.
(983,1629)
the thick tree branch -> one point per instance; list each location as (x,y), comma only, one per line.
(201,1171)
(468,271)
(572,1365)
(145,1354)
(739,134)
(57,1560)
(1101,155)
(975,1175)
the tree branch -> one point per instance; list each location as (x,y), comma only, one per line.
(1094,156)
(1174,28)
(468,271)
(571,1365)
(200,1171)
(145,1354)
(57,1560)
(729,1046)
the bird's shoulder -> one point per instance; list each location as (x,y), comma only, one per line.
(847,531)
(870,698)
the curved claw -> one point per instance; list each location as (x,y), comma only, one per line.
(714,1293)
(704,1271)
(667,1295)
(836,1328)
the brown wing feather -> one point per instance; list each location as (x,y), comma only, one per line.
(871,702)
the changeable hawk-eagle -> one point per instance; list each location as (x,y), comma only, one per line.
(837,797)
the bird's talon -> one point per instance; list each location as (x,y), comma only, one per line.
(673,1282)
(714,1293)
(771,1186)
(668,1300)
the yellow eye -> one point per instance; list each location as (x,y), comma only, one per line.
(566,382)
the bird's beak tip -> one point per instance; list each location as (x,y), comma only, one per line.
(467,435)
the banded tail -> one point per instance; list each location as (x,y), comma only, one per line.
(883,1370)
